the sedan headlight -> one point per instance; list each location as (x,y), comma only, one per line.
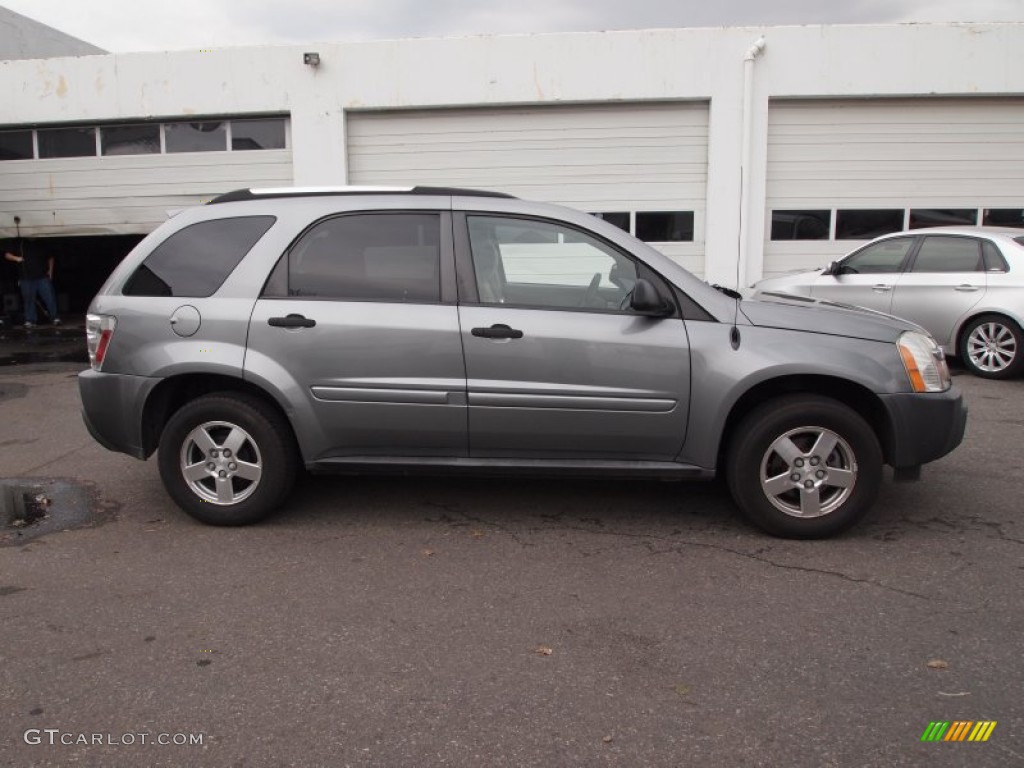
(925,362)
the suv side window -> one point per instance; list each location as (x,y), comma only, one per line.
(369,257)
(878,258)
(195,261)
(944,253)
(533,263)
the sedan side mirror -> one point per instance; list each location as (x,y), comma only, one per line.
(646,300)
(833,269)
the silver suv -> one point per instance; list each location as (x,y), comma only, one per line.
(430,329)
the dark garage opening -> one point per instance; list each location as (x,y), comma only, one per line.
(81,265)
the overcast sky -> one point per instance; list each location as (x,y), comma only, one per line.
(153,25)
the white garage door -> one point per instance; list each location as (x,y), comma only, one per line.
(841,172)
(647,163)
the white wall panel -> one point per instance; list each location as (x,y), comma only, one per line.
(888,153)
(612,157)
(127,194)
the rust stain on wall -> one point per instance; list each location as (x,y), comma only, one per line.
(62,87)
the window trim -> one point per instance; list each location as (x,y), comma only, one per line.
(446,278)
(466,270)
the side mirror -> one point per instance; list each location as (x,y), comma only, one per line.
(833,269)
(646,300)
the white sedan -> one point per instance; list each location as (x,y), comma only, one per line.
(965,285)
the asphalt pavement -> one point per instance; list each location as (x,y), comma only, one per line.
(452,622)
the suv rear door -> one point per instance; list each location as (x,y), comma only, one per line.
(558,365)
(358,329)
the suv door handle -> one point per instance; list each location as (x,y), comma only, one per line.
(292,321)
(881,288)
(965,288)
(498,331)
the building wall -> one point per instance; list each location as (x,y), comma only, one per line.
(812,62)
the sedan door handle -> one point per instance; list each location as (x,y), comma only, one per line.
(881,288)
(291,321)
(967,288)
(498,331)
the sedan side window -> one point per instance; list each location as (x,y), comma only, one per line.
(540,264)
(878,258)
(944,253)
(369,257)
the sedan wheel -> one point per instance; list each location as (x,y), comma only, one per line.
(991,347)
(804,466)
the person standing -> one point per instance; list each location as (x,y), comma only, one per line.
(36,270)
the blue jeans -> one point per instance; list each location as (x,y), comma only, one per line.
(44,289)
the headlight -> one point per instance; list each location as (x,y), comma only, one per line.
(924,361)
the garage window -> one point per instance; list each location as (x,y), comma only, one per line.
(130,139)
(943,217)
(196,260)
(196,137)
(369,257)
(801,225)
(265,133)
(67,142)
(1003,217)
(856,224)
(664,226)
(15,145)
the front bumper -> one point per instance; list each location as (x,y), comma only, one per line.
(923,427)
(112,407)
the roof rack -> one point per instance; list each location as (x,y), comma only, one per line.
(270,192)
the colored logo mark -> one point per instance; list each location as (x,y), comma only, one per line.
(959,730)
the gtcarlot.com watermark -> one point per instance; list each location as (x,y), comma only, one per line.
(57,737)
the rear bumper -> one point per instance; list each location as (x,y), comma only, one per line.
(923,427)
(112,406)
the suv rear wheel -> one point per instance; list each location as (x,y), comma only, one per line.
(804,467)
(227,459)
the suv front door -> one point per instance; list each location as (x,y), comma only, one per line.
(359,318)
(558,365)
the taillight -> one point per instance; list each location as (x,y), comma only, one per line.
(98,331)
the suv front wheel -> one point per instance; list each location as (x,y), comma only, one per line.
(804,467)
(227,459)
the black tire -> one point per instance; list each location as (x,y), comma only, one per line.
(852,468)
(992,347)
(219,420)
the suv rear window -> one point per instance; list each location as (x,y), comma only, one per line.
(195,261)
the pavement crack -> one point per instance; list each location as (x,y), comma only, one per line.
(757,557)
(54,460)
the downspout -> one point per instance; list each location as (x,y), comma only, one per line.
(745,159)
